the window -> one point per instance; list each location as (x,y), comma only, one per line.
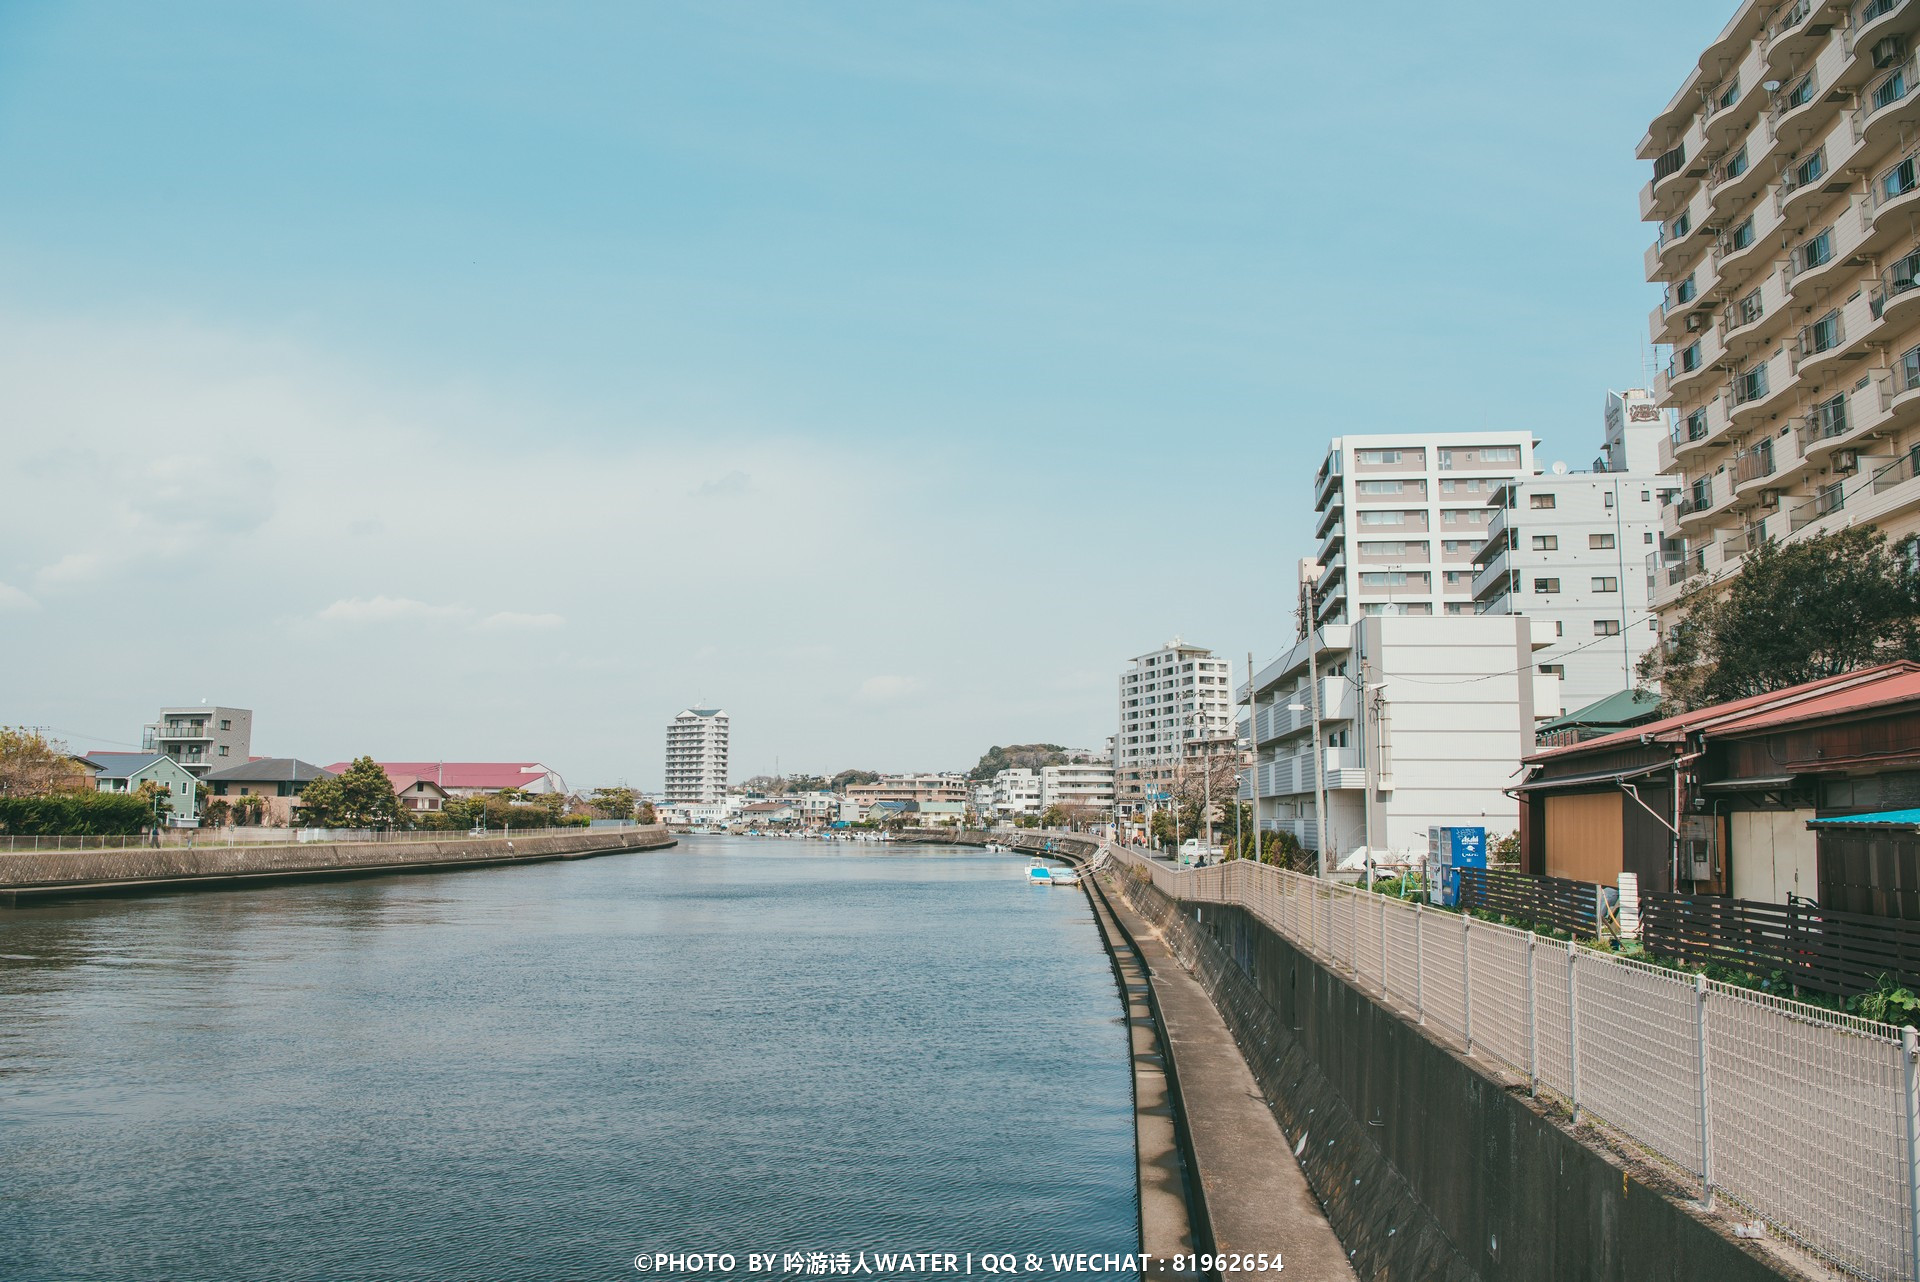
(1546,587)
(1553,669)
(1898,181)
(1541,500)
(1455,578)
(1890,90)
(1690,356)
(1500,454)
(225,724)
(1599,540)
(1377,456)
(1736,165)
(1697,425)
(1647,537)
(1646,496)
(1729,95)
(1559,628)
(1606,627)
(1379,487)
(1801,94)
(1743,234)
(1384,579)
(1807,171)
(1383,549)
(1605,583)
(1750,384)
(223,749)
(1749,309)
(1823,335)
(1686,291)
(1383,518)
(1681,225)
(1546,542)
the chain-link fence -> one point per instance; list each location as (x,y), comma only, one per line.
(1800,1116)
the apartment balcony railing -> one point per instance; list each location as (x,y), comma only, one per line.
(1753,463)
(1901,470)
(1893,87)
(1831,498)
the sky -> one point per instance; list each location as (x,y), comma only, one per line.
(474,381)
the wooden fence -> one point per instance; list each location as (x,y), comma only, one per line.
(1541,903)
(1813,948)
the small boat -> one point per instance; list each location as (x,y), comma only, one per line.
(1042,875)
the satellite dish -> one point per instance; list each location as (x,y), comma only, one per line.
(1559,469)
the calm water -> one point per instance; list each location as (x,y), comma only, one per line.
(540,1072)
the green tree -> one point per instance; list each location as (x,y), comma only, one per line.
(612,803)
(647,815)
(361,797)
(156,798)
(1797,611)
(1054,816)
(1032,756)
(846,777)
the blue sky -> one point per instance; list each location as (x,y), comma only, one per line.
(471,380)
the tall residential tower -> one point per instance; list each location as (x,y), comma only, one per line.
(697,758)
(1173,696)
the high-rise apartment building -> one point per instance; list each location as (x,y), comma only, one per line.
(201,738)
(1401,518)
(1568,549)
(697,757)
(1172,696)
(1786,179)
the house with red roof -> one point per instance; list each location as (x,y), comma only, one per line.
(470,778)
(1733,799)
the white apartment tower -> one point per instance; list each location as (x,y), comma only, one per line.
(1401,518)
(1785,184)
(697,758)
(1168,698)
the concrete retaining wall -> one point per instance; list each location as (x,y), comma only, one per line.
(1426,1168)
(38,874)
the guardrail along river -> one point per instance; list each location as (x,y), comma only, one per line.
(542,1071)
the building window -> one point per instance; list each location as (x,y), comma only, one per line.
(1382,518)
(1898,181)
(1743,234)
(1599,541)
(1736,165)
(1606,500)
(1500,454)
(1377,456)
(223,749)
(1697,425)
(1553,669)
(1807,171)
(1379,487)
(1559,627)
(1802,93)
(1605,583)
(1647,537)
(1546,587)
(225,724)
(1606,627)
(1546,542)
(1747,311)
(1541,500)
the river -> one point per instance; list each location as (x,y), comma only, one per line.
(541,1072)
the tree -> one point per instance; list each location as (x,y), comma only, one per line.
(612,803)
(1797,611)
(647,814)
(846,777)
(32,765)
(361,797)
(1055,816)
(1031,756)
(156,798)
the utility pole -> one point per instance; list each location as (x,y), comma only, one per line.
(1253,769)
(1309,608)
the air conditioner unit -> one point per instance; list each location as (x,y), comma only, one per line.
(1889,51)
(1769,500)
(1845,461)
(1696,321)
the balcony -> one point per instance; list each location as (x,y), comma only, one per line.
(1871,21)
(1831,498)
(1329,516)
(1889,107)
(1657,196)
(1752,464)
(1822,341)
(1896,189)
(1336,539)
(1758,389)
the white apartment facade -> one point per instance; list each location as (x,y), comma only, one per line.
(1016,792)
(1086,786)
(1423,721)
(1786,179)
(1401,517)
(1569,549)
(1168,697)
(697,753)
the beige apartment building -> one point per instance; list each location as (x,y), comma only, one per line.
(1170,698)
(1786,187)
(1401,519)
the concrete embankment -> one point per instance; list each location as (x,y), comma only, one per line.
(1426,1166)
(36,875)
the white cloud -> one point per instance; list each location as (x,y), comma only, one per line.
(74,567)
(12,598)
(885,689)
(515,619)
(388,609)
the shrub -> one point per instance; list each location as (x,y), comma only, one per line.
(71,814)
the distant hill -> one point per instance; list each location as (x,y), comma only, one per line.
(1014,756)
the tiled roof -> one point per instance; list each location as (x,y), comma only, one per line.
(1889,683)
(464,774)
(267,770)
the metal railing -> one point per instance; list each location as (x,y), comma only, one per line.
(1807,1119)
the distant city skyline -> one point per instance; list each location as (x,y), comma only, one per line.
(443,382)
